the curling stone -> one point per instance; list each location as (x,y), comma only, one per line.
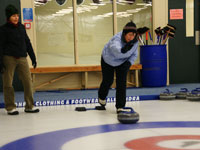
(128,117)
(167,95)
(182,94)
(194,95)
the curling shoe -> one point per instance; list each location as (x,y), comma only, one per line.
(119,110)
(32,110)
(102,102)
(12,112)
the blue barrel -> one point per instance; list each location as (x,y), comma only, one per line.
(154,65)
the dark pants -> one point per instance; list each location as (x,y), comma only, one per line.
(108,77)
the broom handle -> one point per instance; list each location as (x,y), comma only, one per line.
(158,39)
(141,41)
(165,40)
(150,37)
(146,38)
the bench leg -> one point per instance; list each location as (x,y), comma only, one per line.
(136,78)
(84,80)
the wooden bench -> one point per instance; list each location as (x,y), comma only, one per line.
(84,70)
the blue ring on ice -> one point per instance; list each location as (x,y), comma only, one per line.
(55,140)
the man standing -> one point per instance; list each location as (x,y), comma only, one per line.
(14,46)
(117,56)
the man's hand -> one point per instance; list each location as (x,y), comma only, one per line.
(34,64)
(129,45)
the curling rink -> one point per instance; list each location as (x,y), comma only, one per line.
(163,125)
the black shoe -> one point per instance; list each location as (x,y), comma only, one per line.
(13,112)
(102,102)
(32,110)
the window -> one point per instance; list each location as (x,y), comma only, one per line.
(54,34)
(55,28)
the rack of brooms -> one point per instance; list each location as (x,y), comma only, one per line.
(162,34)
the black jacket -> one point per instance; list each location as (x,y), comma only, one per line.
(14,41)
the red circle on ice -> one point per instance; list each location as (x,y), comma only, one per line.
(152,142)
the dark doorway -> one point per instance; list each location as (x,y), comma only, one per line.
(184,54)
(3,3)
